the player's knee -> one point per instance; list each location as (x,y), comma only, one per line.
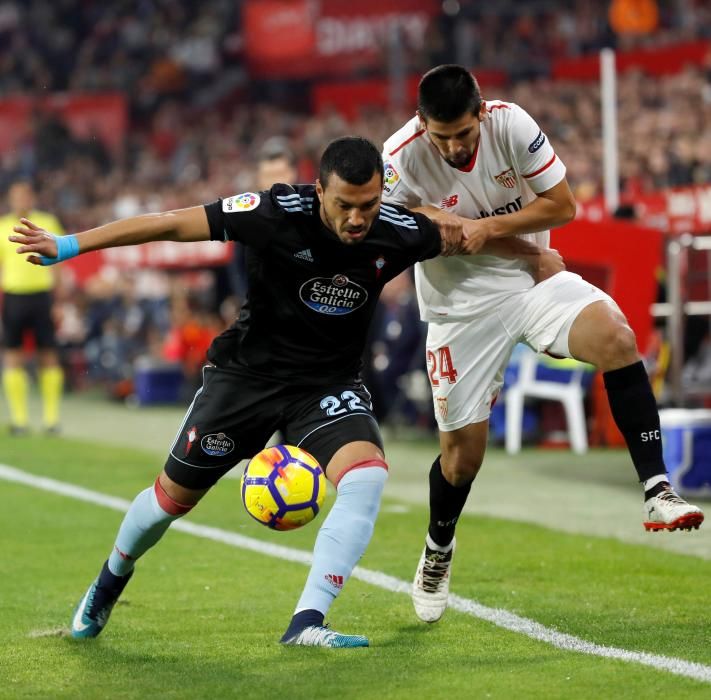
(461,469)
(618,347)
(368,470)
(174,499)
(360,490)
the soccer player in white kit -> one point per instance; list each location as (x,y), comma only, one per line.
(488,166)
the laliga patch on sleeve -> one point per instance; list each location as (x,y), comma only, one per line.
(391,178)
(537,142)
(240,202)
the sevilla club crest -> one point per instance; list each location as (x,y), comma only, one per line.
(507,178)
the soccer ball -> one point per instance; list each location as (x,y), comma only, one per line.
(283,487)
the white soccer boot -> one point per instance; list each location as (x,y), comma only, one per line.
(430,588)
(668,511)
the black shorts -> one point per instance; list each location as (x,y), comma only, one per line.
(233,415)
(28,312)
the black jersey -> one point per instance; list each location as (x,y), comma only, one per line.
(310,297)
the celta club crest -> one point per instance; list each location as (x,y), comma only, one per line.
(506,178)
(379,263)
(192,435)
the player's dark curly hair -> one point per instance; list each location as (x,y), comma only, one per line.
(447,92)
(353,158)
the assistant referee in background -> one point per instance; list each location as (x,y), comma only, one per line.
(27,307)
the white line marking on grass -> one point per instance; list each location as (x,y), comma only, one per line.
(496,616)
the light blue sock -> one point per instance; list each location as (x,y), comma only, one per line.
(143,525)
(343,537)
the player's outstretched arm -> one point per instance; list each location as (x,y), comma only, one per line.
(47,249)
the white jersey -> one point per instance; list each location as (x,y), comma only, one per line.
(513,160)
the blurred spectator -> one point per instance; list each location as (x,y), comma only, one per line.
(275,163)
(193,328)
(396,349)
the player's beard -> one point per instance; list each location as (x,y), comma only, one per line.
(332,227)
(461,160)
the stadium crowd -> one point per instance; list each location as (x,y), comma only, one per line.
(150,48)
(198,124)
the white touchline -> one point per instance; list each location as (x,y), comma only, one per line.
(496,616)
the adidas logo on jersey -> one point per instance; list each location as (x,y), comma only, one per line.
(304,255)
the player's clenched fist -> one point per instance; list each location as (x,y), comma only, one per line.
(476,235)
(451,230)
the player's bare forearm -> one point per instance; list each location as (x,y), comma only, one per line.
(539,215)
(432,212)
(178,225)
(552,208)
(542,262)
(511,248)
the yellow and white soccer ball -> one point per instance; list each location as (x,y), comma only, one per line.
(283,487)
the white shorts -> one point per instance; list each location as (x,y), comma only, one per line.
(466,359)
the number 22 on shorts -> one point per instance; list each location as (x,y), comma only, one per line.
(440,366)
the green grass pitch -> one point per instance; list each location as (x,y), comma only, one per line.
(201,618)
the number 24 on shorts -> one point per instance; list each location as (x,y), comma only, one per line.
(440,366)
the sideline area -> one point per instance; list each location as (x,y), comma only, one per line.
(593,494)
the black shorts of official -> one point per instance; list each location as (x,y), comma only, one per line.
(234,414)
(28,312)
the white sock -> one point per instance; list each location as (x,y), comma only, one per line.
(653,481)
(438,547)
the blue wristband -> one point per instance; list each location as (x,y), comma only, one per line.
(67,247)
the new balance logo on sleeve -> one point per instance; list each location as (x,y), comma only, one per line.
(304,255)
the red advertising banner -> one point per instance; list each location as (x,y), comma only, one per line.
(14,122)
(169,254)
(310,38)
(161,254)
(86,115)
(675,211)
(664,60)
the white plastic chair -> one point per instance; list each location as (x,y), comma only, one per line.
(571,394)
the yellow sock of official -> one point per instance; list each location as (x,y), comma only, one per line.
(15,383)
(51,383)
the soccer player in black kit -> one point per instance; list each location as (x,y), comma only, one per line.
(317,259)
